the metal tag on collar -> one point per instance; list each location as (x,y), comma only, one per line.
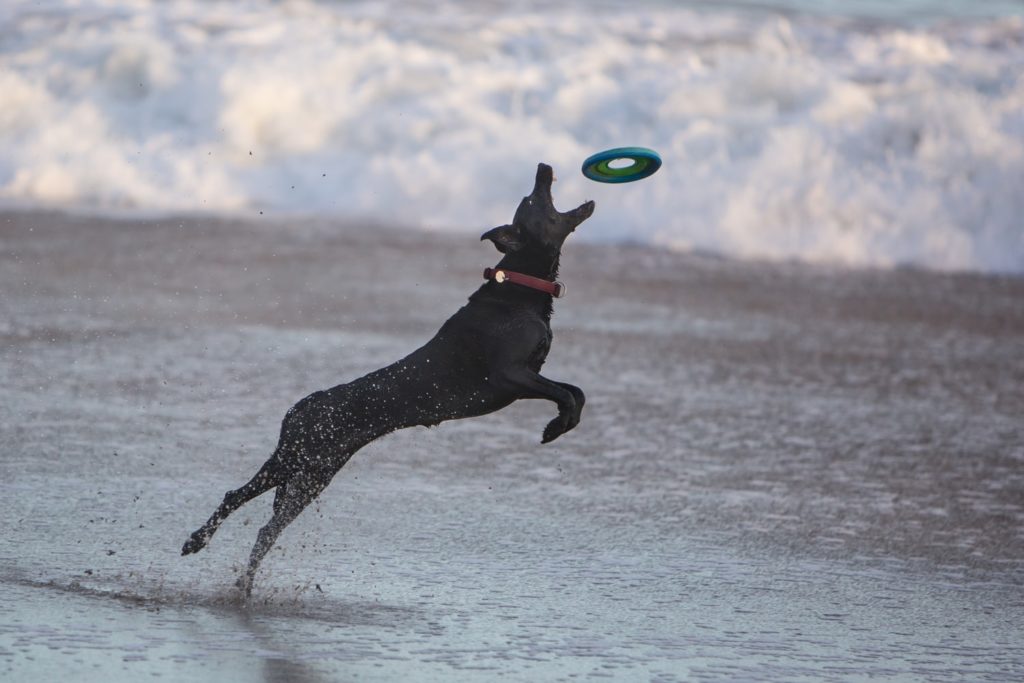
(499,276)
(559,290)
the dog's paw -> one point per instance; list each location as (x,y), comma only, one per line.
(558,426)
(195,543)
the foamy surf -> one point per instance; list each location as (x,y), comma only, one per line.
(784,135)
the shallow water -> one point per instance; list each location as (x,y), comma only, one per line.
(783,472)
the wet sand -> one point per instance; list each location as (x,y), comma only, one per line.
(783,472)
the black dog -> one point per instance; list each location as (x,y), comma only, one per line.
(483,358)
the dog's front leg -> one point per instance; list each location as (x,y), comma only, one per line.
(511,357)
(523,382)
(574,417)
(577,394)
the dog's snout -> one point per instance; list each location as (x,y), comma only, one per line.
(545,176)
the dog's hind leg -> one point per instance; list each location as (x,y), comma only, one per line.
(291,499)
(259,484)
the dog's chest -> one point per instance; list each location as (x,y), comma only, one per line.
(540,353)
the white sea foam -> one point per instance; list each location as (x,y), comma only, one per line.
(863,142)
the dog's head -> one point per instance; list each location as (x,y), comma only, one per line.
(537,226)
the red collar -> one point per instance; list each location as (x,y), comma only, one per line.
(500,275)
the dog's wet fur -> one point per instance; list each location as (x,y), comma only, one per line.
(483,358)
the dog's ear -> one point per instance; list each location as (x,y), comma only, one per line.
(579,214)
(506,238)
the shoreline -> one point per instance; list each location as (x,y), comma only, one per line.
(287,220)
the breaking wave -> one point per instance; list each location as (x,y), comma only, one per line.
(784,135)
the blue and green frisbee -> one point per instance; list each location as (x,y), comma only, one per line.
(622,165)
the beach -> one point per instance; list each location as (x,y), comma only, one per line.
(784,471)
(801,341)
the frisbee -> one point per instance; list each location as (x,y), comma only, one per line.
(622,165)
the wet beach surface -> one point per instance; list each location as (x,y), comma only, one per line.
(783,472)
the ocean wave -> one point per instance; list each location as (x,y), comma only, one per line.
(783,136)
